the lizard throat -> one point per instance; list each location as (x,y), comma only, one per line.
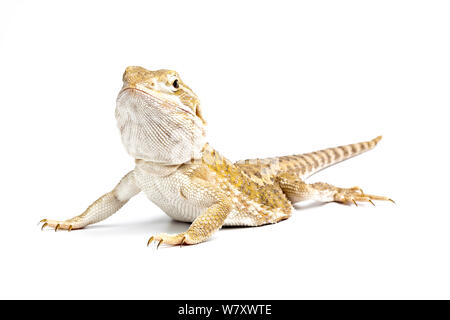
(156,130)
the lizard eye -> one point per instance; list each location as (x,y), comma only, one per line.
(175,84)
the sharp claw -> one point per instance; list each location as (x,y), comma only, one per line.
(372,203)
(150,240)
(159,243)
(182,241)
(43,220)
(354,202)
(70,228)
(391,201)
(57,227)
(44,225)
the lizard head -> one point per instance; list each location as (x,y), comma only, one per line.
(159,117)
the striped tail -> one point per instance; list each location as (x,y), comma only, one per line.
(307,164)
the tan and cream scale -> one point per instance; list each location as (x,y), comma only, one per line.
(162,127)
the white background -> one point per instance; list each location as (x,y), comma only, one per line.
(274,78)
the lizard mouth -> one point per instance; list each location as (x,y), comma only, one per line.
(159,100)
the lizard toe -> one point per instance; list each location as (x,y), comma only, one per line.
(170,239)
(56,225)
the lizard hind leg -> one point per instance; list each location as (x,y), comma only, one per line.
(297,190)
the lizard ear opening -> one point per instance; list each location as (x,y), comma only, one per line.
(198,113)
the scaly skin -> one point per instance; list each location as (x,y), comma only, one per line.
(162,127)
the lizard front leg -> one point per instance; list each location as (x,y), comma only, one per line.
(102,208)
(297,190)
(217,208)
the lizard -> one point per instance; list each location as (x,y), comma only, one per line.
(163,129)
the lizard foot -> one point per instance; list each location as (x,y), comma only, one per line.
(172,239)
(355,195)
(57,225)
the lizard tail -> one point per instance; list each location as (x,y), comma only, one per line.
(303,165)
(307,164)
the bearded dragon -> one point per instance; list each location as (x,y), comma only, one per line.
(162,128)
